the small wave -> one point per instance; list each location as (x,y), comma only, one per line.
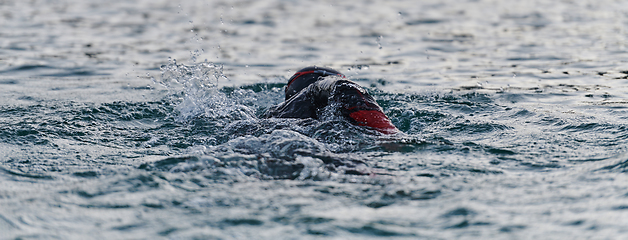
(26,175)
(281,154)
(620,165)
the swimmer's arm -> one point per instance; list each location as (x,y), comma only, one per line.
(299,106)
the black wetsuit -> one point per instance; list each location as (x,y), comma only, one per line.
(352,101)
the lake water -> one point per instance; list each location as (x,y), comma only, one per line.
(139,120)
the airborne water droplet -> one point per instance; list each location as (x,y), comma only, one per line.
(379,41)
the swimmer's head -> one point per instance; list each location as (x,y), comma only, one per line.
(307,76)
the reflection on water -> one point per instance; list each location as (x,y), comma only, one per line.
(513,120)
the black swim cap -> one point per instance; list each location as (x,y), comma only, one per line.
(307,76)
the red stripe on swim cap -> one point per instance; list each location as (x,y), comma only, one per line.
(374,119)
(297,75)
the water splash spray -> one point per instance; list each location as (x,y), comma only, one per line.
(196,87)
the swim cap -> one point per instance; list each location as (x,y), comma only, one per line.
(307,76)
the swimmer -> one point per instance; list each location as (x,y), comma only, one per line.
(311,89)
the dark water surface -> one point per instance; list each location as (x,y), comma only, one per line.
(514,117)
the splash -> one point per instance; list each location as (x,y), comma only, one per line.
(195,87)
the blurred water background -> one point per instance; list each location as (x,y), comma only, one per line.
(138,119)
